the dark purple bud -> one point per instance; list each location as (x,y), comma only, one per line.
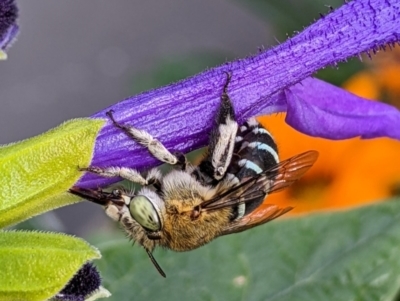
(8,26)
(86,281)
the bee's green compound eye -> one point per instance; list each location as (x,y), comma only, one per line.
(143,211)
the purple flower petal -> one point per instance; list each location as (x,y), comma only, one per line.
(323,110)
(181,115)
(8,26)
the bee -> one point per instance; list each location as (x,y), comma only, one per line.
(193,204)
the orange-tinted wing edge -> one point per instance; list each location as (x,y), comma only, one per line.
(262,215)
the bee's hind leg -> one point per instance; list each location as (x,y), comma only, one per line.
(222,140)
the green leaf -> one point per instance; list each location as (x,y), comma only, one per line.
(37,172)
(36,266)
(352,255)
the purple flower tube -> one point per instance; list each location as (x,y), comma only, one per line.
(182,114)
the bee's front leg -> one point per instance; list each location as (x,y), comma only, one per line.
(153,177)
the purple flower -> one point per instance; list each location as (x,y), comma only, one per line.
(8,26)
(182,114)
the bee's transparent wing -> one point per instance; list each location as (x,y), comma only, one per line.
(272,180)
(262,215)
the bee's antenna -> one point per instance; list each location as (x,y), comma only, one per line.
(153,260)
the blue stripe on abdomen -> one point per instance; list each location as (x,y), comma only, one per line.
(255,151)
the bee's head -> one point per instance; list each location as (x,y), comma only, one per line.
(146,208)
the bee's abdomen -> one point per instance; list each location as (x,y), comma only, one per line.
(255,151)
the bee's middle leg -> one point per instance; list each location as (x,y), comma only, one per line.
(155,147)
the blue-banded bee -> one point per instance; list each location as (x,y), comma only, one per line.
(191,205)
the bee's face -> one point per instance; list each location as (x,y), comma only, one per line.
(191,205)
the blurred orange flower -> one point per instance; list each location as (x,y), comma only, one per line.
(349,172)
